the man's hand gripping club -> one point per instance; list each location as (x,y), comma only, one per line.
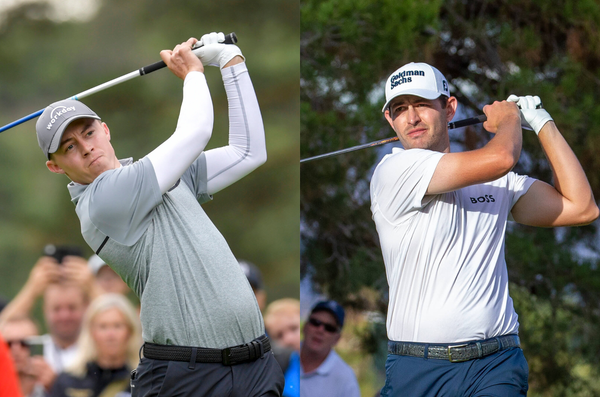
(181,60)
(214,53)
(532,112)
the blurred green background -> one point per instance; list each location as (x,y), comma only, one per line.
(50,50)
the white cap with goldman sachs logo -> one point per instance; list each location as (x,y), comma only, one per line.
(418,79)
(55,119)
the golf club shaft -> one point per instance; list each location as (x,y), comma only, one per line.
(230,38)
(456,124)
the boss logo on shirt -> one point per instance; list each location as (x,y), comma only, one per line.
(488,198)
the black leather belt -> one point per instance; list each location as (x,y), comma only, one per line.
(454,352)
(229,356)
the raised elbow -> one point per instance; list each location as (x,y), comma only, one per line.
(591,213)
(503,162)
(261,158)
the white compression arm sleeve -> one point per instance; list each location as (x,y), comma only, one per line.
(247,149)
(194,127)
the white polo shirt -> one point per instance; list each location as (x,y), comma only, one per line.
(333,378)
(443,254)
(56,357)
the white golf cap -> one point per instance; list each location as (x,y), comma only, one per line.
(418,79)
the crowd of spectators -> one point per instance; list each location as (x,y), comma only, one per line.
(93,335)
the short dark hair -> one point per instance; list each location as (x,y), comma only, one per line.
(443,101)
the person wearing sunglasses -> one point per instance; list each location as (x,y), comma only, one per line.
(35,375)
(322,370)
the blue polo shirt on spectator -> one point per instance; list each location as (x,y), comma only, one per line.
(333,378)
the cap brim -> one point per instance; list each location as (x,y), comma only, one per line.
(427,94)
(55,143)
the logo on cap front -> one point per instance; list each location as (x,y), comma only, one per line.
(404,77)
(57,112)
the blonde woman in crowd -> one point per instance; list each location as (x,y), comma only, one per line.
(109,344)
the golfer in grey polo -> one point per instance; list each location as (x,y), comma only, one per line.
(145,220)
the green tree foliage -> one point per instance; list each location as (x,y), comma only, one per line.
(487,50)
(42,60)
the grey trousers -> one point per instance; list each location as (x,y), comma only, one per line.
(262,377)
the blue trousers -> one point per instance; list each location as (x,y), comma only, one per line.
(502,374)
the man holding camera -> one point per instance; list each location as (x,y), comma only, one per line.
(65,288)
(35,376)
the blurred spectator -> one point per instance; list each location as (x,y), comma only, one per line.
(9,386)
(254,277)
(64,307)
(105,278)
(282,323)
(65,287)
(323,372)
(33,372)
(109,345)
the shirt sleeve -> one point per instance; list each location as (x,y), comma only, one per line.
(246,149)
(194,128)
(195,177)
(121,201)
(400,182)
(518,185)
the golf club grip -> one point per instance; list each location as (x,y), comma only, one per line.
(230,38)
(470,121)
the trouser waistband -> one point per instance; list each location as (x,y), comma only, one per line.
(455,352)
(229,356)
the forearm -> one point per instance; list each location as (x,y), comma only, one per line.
(247,148)
(494,160)
(569,178)
(20,305)
(507,143)
(194,129)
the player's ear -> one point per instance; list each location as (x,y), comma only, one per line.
(451,106)
(53,167)
(389,119)
(106,130)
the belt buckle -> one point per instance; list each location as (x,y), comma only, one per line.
(226,356)
(456,360)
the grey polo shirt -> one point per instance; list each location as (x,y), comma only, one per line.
(191,287)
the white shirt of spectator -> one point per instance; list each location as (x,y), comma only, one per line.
(58,358)
(333,378)
(443,254)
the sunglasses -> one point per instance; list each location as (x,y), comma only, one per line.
(22,342)
(317,323)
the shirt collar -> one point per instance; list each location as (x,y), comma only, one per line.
(325,367)
(76,189)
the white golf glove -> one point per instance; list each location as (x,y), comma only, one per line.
(213,52)
(532,112)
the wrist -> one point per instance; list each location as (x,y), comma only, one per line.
(236,60)
(549,125)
